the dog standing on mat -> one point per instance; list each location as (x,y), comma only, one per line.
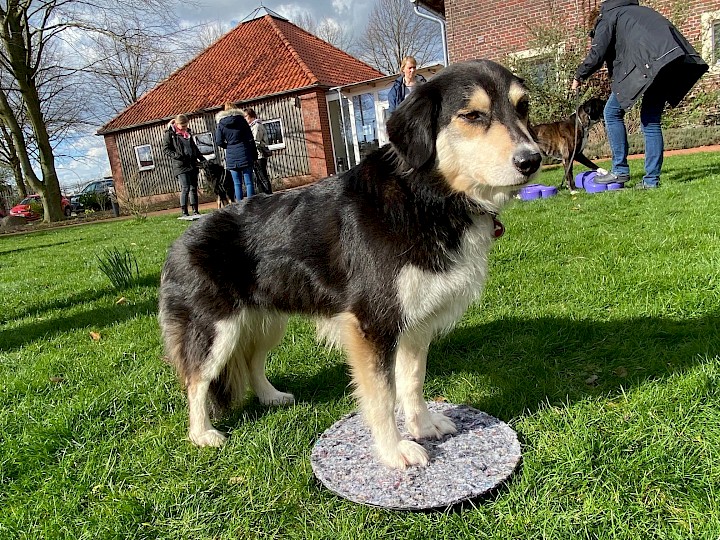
(565,140)
(385,256)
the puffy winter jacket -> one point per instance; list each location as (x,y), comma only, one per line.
(233,133)
(637,43)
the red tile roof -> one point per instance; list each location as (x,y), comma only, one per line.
(261,57)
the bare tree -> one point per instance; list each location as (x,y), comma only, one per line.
(395,31)
(36,89)
(205,34)
(328,30)
(127,61)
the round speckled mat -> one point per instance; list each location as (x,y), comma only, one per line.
(480,456)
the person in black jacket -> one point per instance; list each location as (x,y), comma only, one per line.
(180,147)
(233,133)
(648,58)
(404,84)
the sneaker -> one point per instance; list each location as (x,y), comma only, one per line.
(611,178)
(185,217)
(643,185)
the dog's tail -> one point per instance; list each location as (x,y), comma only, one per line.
(195,355)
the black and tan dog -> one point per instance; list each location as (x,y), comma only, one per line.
(221,182)
(385,256)
(565,140)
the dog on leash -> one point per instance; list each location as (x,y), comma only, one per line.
(385,257)
(565,140)
(221,182)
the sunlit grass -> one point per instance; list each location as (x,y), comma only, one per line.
(597,339)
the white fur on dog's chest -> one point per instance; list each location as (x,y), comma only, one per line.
(436,300)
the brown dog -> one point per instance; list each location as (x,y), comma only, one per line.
(565,140)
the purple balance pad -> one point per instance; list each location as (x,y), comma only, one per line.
(528,193)
(548,191)
(581,179)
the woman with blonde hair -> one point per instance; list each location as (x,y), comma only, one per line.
(179,145)
(404,84)
(233,133)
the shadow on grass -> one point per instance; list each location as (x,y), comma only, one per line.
(28,249)
(45,329)
(690,174)
(527,363)
(516,366)
(87,296)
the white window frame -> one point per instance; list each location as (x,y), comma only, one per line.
(708,22)
(137,157)
(540,52)
(277,146)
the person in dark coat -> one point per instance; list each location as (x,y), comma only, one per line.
(648,58)
(179,145)
(233,133)
(404,84)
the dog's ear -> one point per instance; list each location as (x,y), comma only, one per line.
(412,127)
(583,113)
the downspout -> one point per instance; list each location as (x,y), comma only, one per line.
(432,16)
(344,136)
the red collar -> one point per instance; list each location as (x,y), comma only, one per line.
(498,227)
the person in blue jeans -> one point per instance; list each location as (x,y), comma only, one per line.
(233,133)
(649,59)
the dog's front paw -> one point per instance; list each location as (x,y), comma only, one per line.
(433,425)
(405,454)
(210,437)
(277,398)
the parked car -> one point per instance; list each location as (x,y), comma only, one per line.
(25,207)
(95,196)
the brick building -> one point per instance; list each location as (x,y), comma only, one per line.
(496,29)
(266,63)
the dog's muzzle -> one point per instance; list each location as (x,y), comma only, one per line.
(527,161)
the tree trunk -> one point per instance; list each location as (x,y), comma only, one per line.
(18,46)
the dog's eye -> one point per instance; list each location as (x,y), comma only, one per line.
(474,116)
(523,108)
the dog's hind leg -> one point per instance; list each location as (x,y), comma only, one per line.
(268,334)
(409,378)
(372,364)
(221,364)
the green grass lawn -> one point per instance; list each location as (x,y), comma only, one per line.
(597,339)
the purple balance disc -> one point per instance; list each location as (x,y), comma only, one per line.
(528,193)
(583,178)
(548,191)
(615,185)
(592,187)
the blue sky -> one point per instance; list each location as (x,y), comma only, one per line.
(83,157)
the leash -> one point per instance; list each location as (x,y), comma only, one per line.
(575,141)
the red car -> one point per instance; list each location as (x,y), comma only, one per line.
(23,208)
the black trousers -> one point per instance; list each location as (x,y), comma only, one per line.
(262,180)
(189,185)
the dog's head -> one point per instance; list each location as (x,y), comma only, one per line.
(591,111)
(470,123)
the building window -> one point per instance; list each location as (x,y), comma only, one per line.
(205,144)
(540,69)
(274,129)
(710,28)
(144,157)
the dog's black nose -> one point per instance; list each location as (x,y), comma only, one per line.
(526,161)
